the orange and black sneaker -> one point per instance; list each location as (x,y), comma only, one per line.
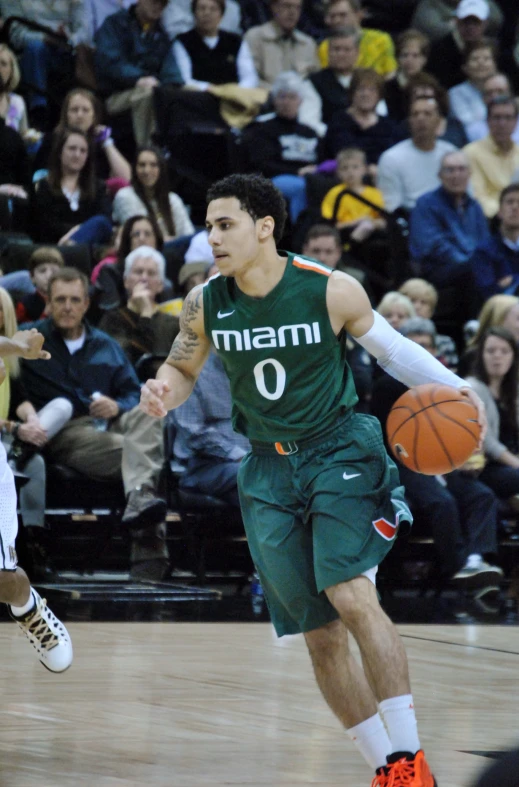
(407,770)
(381,777)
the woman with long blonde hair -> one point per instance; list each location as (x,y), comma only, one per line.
(12,105)
(24,433)
(500,311)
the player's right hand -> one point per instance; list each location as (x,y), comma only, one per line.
(30,345)
(153,393)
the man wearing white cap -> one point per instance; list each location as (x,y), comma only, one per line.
(446,57)
(436,18)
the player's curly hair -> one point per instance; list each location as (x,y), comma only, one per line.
(257,196)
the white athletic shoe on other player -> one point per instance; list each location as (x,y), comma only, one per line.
(47,635)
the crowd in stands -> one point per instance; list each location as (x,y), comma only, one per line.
(394,138)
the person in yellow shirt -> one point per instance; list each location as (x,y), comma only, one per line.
(376,48)
(357,219)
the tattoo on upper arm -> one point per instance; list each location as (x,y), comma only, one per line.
(187,341)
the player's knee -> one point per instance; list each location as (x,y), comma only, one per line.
(324,641)
(353,599)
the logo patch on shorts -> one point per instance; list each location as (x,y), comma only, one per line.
(385,529)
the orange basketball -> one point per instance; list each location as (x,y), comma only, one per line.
(433,429)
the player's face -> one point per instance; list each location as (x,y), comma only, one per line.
(80,112)
(511,321)
(68,304)
(411,59)
(42,274)
(498,356)
(509,211)
(233,236)
(324,249)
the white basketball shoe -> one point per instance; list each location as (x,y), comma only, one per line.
(47,635)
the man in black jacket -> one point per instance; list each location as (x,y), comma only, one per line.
(333,83)
(280,147)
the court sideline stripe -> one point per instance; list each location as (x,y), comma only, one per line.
(461,644)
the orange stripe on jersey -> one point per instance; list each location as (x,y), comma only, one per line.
(279,448)
(307,265)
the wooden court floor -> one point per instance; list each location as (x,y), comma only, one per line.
(196,704)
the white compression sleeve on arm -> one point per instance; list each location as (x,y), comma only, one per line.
(403,359)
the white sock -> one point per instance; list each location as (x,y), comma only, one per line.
(19,611)
(400,720)
(474,561)
(371,739)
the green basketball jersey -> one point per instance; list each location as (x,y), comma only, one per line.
(287,369)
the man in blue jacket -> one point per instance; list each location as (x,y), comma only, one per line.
(133,56)
(495,264)
(446,226)
(108,436)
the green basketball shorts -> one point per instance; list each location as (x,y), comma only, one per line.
(317,513)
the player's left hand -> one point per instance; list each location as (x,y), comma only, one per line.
(480,407)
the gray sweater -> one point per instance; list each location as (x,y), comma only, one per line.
(492,446)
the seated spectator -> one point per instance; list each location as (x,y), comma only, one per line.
(15,180)
(412,50)
(376,49)
(44,57)
(450,129)
(257,12)
(133,56)
(81,110)
(136,231)
(24,432)
(494,86)
(139,327)
(278,45)
(323,243)
(494,159)
(354,217)
(410,168)
(360,125)
(207,55)
(12,106)
(446,226)
(446,56)
(396,309)
(149,195)
(178,17)
(499,311)
(495,263)
(280,147)
(494,378)
(460,511)
(109,291)
(44,262)
(435,18)
(205,442)
(332,84)
(70,205)
(424,298)
(95,13)
(466,99)
(84,362)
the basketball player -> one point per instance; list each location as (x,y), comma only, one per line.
(45,632)
(321,499)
